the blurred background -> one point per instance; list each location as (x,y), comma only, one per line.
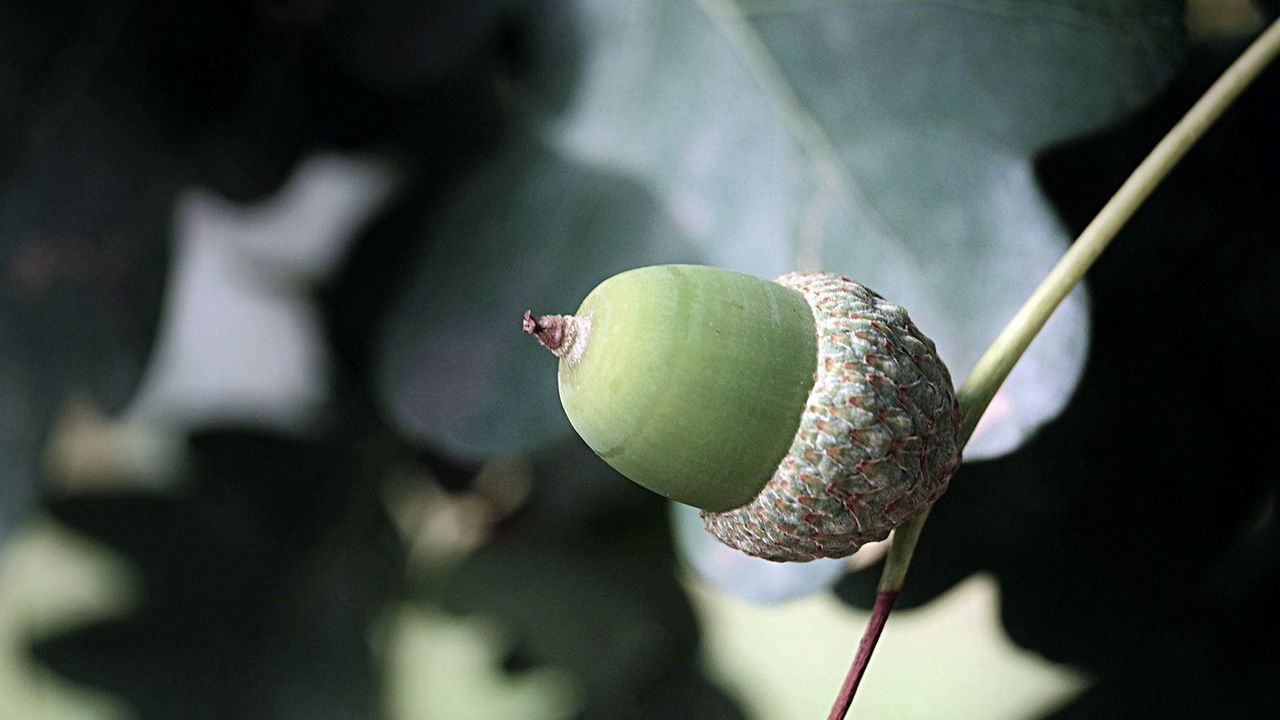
(273,446)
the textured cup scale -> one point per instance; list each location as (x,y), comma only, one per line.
(805,417)
(877,442)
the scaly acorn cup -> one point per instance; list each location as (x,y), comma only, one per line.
(805,416)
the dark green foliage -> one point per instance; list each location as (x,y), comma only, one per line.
(84,208)
(1131,537)
(261,577)
(584,577)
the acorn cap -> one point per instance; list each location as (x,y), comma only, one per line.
(805,417)
(877,443)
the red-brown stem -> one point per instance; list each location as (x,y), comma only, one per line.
(875,625)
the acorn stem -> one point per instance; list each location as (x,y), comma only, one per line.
(557,333)
(875,625)
(998,360)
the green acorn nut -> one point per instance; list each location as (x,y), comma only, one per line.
(805,416)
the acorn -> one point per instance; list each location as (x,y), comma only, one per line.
(805,417)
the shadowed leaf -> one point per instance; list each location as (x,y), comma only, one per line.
(261,579)
(889,141)
(584,578)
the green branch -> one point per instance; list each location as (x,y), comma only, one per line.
(996,363)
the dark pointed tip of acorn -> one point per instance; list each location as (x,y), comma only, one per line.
(550,330)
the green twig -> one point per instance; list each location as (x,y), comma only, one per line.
(996,363)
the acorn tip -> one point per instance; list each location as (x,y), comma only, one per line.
(554,332)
